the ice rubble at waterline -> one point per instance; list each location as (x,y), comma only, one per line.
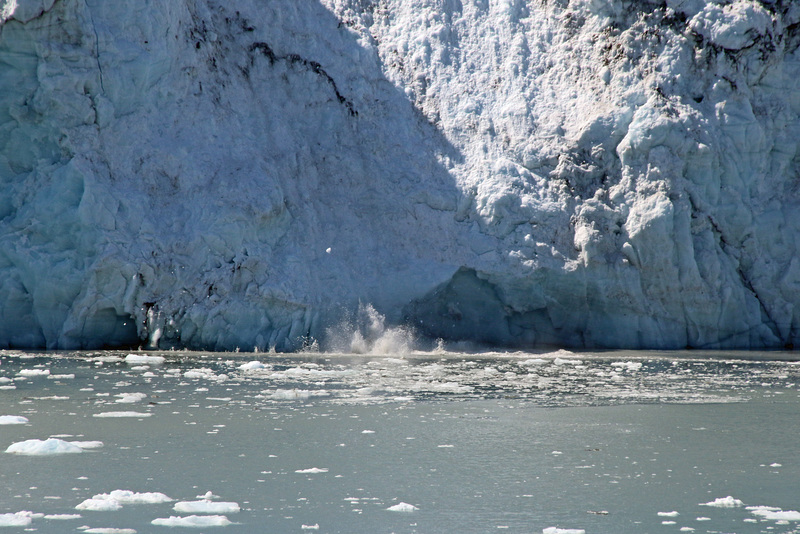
(582,173)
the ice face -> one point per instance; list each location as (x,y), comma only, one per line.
(592,175)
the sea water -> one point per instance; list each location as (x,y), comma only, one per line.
(425,442)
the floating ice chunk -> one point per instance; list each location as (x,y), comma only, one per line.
(724,502)
(33,372)
(140,359)
(566,361)
(109,530)
(37,447)
(556,530)
(208,496)
(253,365)
(297,394)
(13,420)
(774,514)
(122,414)
(109,502)
(310,527)
(367,431)
(99,504)
(630,366)
(69,376)
(533,361)
(88,444)
(62,517)
(130,398)
(403,507)
(18,519)
(206,507)
(132,497)
(312,470)
(668,514)
(195,521)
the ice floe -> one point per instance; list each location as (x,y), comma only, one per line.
(109,530)
(106,502)
(139,359)
(403,507)
(33,372)
(312,470)
(724,502)
(130,398)
(13,420)
(18,519)
(772,513)
(206,506)
(122,414)
(193,521)
(37,447)
(556,530)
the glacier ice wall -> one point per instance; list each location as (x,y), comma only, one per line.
(587,173)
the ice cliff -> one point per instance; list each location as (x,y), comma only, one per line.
(219,174)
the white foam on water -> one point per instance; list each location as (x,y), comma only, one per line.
(37,447)
(13,420)
(206,506)
(403,507)
(193,521)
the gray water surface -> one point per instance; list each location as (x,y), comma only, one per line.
(629,442)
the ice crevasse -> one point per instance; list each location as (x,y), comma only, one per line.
(583,173)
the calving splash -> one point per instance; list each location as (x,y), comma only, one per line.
(367,333)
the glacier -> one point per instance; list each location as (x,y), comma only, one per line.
(243,174)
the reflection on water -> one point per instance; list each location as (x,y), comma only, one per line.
(624,442)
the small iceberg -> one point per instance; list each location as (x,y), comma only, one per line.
(37,447)
(193,521)
(403,507)
(13,420)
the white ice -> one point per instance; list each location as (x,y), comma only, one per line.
(556,530)
(312,470)
(37,447)
(403,507)
(206,507)
(193,521)
(18,519)
(13,420)
(116,499)
(122,414)
(138,359)
(724,502)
